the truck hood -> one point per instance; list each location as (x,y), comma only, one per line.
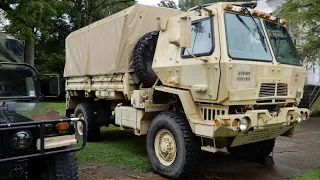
(13,112)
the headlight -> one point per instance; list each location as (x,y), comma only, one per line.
(244,123)
(21,140)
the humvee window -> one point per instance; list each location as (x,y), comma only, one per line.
(16,82)
(282,45)
(244,40)
(202,39)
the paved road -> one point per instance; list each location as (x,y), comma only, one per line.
(292,157)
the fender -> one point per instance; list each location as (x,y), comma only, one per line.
(191,109)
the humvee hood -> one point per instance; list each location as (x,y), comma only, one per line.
(13,112)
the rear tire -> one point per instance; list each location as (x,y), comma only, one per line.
(143,57)
(171,146)
(86,110)
(254,151)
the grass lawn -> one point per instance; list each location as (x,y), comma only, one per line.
(311,175)
(119,148)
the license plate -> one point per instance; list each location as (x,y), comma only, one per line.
(57,141)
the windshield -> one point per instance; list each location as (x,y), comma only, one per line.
(16,81)
(11,50)
(282,45)
(244,40)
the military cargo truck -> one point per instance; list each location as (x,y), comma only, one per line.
(34,139)
(219,75)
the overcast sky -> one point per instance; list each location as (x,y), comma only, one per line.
(151,2)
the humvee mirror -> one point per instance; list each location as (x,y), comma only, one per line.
(185,32)
(50,86)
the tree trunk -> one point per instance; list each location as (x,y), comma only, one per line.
(29,51)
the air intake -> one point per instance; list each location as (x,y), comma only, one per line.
(267,89)
(282,89)
(273,89)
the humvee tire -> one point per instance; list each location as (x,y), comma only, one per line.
(60,167)
(143,57)
(171,146)
(254,151)
(86,110)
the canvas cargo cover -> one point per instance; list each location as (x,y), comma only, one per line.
(106,46)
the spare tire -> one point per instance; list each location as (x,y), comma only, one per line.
(143,57)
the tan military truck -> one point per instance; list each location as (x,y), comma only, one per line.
(220,75)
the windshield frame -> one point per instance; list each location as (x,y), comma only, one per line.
(34,77)
(291,42)
(264,34)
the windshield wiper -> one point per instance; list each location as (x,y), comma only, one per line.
(248,28)
(262,38)
(276,42)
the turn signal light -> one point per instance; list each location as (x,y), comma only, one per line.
(304,115)
(283,21)
(234,123)
(229,6)
(63,126)
(217,122)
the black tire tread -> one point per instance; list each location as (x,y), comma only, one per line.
(66,167)
(191,146)
(93,130)
(139,60)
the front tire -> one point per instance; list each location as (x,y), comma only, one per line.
(59,167)
(171,146)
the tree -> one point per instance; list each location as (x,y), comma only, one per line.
(304,22)
(30,20)
(85,12)
(43,25)
(168,4)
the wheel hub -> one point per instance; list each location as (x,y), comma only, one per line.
(165,147)
(80,124)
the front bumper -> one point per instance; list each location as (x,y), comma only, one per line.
(45,145)
(263,125)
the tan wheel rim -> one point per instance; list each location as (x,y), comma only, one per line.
(165,147)
(80,124)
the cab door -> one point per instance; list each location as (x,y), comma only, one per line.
(199,65)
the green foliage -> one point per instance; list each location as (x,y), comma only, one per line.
(32,17)
(168,4)
(311,175)
(304,21)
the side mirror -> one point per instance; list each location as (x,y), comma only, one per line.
(51,85)
(185,32)
(299,49)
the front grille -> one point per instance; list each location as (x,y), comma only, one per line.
(270,89)
(267,89)
(282,89)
